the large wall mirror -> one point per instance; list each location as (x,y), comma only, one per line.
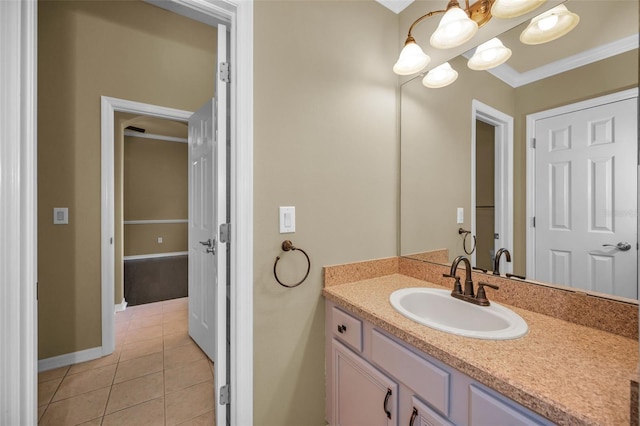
(467,158)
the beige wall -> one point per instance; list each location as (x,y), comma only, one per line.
(129,50)
(325,142)
(155,188)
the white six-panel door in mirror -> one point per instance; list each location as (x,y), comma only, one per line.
(586,198)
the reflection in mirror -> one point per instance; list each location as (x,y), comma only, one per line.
(446,163)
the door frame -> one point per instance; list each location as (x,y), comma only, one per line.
(503,124)
(531,160)
(18,207)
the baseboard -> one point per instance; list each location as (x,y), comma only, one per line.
(119,307)
(156,255)
(69,359)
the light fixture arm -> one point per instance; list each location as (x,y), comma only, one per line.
(420,19)
(480,12)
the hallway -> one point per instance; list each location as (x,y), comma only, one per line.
(156,376)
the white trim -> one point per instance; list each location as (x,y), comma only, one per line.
(69,359)
(503,124)
(18,212)
(156,255)
(119,307)
(154,221)
(155,137)
(396,6)
(515,79)
(109,107)
(531,163)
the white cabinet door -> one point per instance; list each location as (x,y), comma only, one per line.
(362,396)
(486,409)
(423,415)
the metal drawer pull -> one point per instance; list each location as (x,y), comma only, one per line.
(413,416)
(386,400)
(342,328)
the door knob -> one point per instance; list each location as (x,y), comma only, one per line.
(620,246)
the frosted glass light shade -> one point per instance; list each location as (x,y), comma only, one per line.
(455,28)
(549,25)
(440,76)
(412,59)
(511,8)
(489,55)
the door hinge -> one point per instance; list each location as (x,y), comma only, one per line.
(534,221)
(224,395)
(224,72)
(496,236)
(111,240)
(225,233)
(533,143)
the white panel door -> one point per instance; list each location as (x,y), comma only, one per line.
(207,212)
(586,198)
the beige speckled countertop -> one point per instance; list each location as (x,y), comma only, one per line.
(569,373)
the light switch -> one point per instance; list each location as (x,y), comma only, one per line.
(287,220)
(60,215)
(460,215)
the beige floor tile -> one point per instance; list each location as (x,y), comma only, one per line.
(138,367)
(41,410)
(46,390)
(207,419)
(124,316)
(100,362)
(175,316)
(189,403)
(146,310)
(187,375)
(138,349)
(76,410)
(94,422)
(181,304)
(132,392)
(45,376)
(178,326)
(76,384)
(150,413)
(140,334)
(176,340)
(182,355)
(144,322)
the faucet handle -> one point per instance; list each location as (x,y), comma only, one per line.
(457,287)
(482,296)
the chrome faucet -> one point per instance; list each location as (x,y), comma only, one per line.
(468,294)
(496,260)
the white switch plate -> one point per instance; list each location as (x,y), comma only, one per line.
(287,220)
(159,240)
(460,215)
(60,215)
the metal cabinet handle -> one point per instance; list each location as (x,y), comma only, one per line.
(413,416)
(386,400)
(342,329)
(620,246)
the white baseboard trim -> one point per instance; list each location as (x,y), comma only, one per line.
(156,255)
(119,307)
(69,359)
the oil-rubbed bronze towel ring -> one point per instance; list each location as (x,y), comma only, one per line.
(464,241)
(287,245)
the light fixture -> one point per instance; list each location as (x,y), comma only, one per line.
(455,28)
(549,25)
(441,76)
(512,8)
(489,55)
(412,59)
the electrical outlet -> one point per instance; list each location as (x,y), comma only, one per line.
(460,215)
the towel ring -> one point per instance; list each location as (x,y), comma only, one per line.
(287,245)
(464,241)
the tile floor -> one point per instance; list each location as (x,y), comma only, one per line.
(156,376)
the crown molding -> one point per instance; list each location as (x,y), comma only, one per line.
(515,79)
(396,6)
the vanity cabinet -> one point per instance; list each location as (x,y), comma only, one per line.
(374,378)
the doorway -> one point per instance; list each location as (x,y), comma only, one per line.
(491,185)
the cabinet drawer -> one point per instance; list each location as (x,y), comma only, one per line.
(347,328)
(426,379)
(486,409)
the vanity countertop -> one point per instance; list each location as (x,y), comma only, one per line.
(569,373)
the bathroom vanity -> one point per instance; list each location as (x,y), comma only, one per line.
(385,369)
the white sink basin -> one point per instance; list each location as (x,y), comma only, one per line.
(436,308)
